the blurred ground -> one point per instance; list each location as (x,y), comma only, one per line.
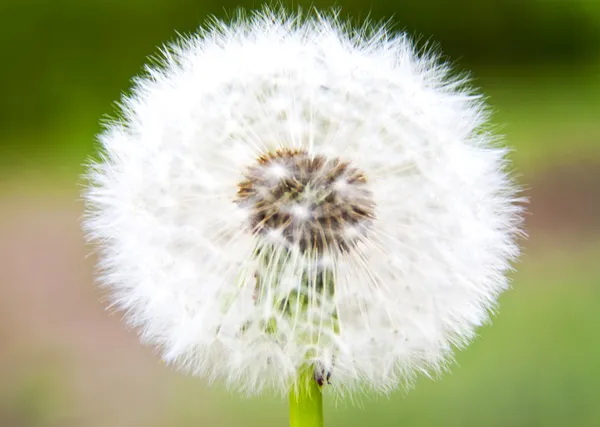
(66,361)
(565,203)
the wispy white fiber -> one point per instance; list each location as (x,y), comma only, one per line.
(183,255)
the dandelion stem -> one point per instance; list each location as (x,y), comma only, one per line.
(306,401)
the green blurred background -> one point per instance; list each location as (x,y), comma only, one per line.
(64,361)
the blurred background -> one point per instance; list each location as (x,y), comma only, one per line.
(65,361)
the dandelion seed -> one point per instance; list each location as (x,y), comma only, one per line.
(285,195)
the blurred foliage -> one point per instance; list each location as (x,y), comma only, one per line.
(66,61)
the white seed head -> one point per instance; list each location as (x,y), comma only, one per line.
(285,192)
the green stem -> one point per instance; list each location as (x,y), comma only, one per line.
(306,401)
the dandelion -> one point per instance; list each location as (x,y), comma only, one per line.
(287,204)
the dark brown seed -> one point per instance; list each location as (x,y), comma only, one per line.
(304,204)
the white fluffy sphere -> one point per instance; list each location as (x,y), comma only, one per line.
(284,192)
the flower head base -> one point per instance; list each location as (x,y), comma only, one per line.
(309,202)
(285,193)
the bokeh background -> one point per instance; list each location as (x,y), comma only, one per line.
(65,361)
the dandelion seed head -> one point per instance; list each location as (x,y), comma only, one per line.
(285,191)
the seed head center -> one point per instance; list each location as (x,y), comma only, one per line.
(308,201)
